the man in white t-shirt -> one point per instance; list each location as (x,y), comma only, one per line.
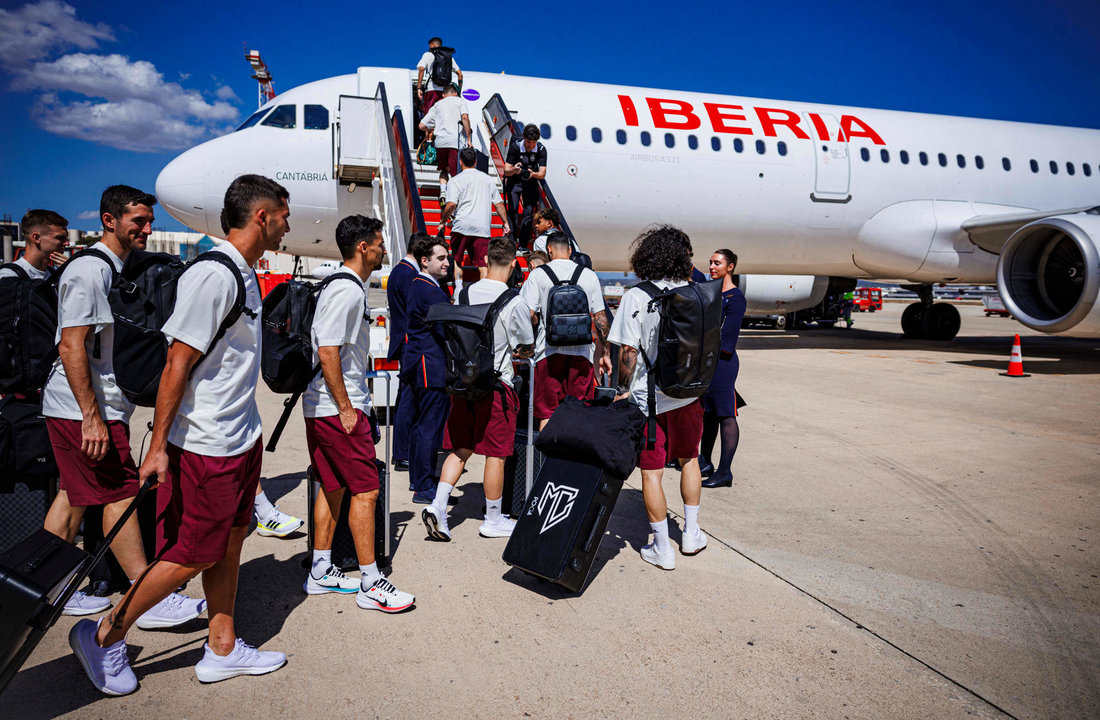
(486,427)
(473,194)
(447,121)
(87,416)
(661,255)
(336,406)
(45,234)
(562,370)
(206,449)
(430,92)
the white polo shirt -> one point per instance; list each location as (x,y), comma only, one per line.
(445,118)
(474,192)
(342,320)
(82,300)
(426,61)
(512,327)
(31,270)
(635,325)
(218,414)
(536,291)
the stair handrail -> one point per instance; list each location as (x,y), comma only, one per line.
(408,173)
(399,236)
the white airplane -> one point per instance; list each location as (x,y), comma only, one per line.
(807,195)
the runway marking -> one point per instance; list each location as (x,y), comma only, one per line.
(884,357)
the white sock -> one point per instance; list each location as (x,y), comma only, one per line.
(263,506)
(368,574)
(442,494)
(660,534)
(492,510)
(691,519)
(322,559)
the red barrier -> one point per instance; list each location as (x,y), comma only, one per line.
(270,280)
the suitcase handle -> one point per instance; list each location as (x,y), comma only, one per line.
(592,531)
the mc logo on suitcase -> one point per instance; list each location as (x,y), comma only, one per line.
(559,499)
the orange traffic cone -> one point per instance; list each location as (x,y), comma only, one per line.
(1016,361)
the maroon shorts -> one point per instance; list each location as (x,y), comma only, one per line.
(201,500)
(93,482)
(477,247)
(486,426)
(678,434)
(557,376)
(446,159)
(429,98)
(341,460)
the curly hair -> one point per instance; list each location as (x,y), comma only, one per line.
(660,252)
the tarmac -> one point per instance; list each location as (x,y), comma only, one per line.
(910,534)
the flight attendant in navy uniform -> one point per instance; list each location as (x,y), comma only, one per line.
(422,368)
(397,287)
(721,400)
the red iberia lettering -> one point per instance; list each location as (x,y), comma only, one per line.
(630,113)
(787,119)
(720,116)
(853,127)
(672,114)
(819,126)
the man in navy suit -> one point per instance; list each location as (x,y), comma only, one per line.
(397,286)
(422,367)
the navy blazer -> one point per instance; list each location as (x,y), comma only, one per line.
(422,362)
(397,287)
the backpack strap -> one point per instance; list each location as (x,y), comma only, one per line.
(238,307)
(88,252)
(650,289)
(464,295)
(576,275)
(550,273)
(496,309)
(17,269)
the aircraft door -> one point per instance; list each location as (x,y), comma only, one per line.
(358,149)
(833,163)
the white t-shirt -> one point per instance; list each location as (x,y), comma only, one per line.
(82,301)
(474,192)
(512,328)
(426,61)
(536,291)
(445,118)
(342,320)
(31,270)
(635,325)
(218,414)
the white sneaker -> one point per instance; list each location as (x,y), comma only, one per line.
(173,610)
(694,543)
(382,595)
(500,528)
(278,524)
(436,523)
(333,581)
(244,660)
(108,668)
(665,560)
(83,604)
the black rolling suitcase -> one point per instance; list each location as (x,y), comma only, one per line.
(37,578)
(523,465)
(28,473)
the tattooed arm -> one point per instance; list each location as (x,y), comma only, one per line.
(628,362)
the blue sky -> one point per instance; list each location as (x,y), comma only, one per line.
(86,86)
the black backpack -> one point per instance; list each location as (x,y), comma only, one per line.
(25,449)
(143,297)
(689,341)
(28,326)
(568,320)
(442,66)
(286,357)
(468,344)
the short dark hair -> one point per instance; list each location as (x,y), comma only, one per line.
(415,239)
(549,214)
(531,132)
(661,251)
(730,255)
(558,239)
(117,198)
(353,230)
(243,194)
(435,40)
(537,255)
(422,244)
(502,251)
(468,157)
(35,219)
(451,88)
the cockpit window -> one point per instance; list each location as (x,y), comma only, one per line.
(255,118)
(282,117)
(316,117)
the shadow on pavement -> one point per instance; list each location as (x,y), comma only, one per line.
(260,613)
(278,486)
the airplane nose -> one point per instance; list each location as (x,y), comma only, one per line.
(179,190)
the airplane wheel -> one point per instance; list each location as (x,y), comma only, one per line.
(942,322)
(912,320)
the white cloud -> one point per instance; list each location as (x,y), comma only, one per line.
(35,31)
(226,93)
(88,215)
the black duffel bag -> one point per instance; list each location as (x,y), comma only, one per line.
(610,436)
(25,450)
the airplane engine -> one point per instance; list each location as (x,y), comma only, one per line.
(778,294)
(1049,275)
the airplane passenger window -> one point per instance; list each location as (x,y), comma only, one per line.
(960,160)
(620,136)
(570,132)
(865,154)
(1034,166)
(738,145)
(1006,164)
(670,141)
(885,155)
(282,117)
(1086,169)
(923,158)
(316,117)
(693,142)
(253,119)
(979,162)
(943,159)
(1069,168)
(1053,168)
(782,147)
(645,138)
(715,144)
(760,147)
(544,131)
(597,135)
(904,157)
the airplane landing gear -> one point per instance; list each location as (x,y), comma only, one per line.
(929,320)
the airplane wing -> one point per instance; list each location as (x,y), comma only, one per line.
(991,232)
